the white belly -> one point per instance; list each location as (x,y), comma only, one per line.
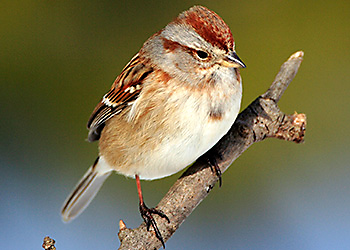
(196,137)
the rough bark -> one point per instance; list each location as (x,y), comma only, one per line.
(260,120)
(48,244)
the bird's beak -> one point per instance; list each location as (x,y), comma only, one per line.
(231,60)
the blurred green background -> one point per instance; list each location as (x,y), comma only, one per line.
(57,59)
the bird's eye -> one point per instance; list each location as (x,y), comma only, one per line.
(202,54)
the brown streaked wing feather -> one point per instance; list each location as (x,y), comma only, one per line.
(123,92)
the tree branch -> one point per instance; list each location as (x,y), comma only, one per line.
(48,244)
(260,120)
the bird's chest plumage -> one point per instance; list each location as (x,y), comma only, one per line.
(165,131)
(198,121)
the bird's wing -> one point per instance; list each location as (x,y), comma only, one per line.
(124,91)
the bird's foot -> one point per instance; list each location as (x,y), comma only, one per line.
(147,216)
(214,166)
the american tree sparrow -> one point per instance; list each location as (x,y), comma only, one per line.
(171,103)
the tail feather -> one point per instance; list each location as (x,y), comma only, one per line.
(85,190)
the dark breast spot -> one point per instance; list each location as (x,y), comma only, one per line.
(215,114)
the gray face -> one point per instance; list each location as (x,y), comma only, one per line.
(183,53)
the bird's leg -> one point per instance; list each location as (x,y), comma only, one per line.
(146,213)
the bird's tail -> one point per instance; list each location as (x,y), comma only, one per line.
(85,190)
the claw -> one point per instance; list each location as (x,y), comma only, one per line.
(214,166)
(146,214)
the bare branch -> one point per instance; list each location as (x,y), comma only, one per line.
(48,244)
(286,74)
(260,120)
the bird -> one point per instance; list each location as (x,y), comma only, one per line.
(175,99)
